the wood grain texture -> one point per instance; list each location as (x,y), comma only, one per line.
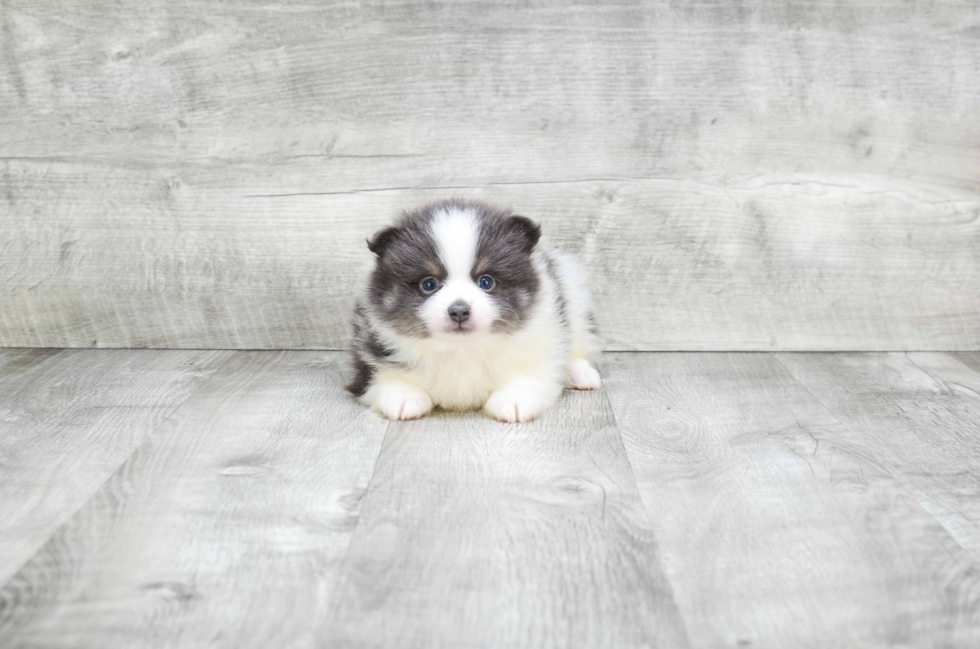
(478,534)
(68,419)
(922,414)
(791,500)
(781,525)
(16,365)
(758,175)
(225,528)
(970,359)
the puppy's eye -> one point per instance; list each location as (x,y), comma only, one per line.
(429,284)
(485,282)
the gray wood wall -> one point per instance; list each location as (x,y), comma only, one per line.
(735,175)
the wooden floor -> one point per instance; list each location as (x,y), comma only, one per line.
(241,499)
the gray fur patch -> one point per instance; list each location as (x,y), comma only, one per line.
(503,251)
(407,254)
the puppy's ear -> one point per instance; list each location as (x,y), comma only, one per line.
(382,239)
(527,228)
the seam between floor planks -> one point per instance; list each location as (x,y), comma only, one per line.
(648,515)
(91,559)
(941,536)
(398,497)
(360,522)
(615,418)
(900,480)
(15,569)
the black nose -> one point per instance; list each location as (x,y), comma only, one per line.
(459,311)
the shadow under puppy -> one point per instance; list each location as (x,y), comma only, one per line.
(467,306)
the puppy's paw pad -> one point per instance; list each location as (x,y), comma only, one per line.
(511,406)
(582,376)
(403,402)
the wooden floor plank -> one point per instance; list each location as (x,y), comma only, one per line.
(970,359)
(921,415)
(68,419)
(779,526)
(17,362)
(478,534)
(223,529)
(759,510)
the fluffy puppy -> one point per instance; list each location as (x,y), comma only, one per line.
(466,306)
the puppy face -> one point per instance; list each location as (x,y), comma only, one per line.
(455,269)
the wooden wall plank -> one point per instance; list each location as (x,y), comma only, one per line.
(477,534)
(764,175)
(779,525)
(68,419)
(678,265)
(226,527)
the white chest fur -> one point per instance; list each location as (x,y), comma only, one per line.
(462,373)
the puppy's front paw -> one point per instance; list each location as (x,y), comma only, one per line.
(402,401)
(582,376)
(520,402)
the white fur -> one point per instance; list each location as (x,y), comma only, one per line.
(513,376)
(401,401)
(522,398)
(582,376)
(456,234)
